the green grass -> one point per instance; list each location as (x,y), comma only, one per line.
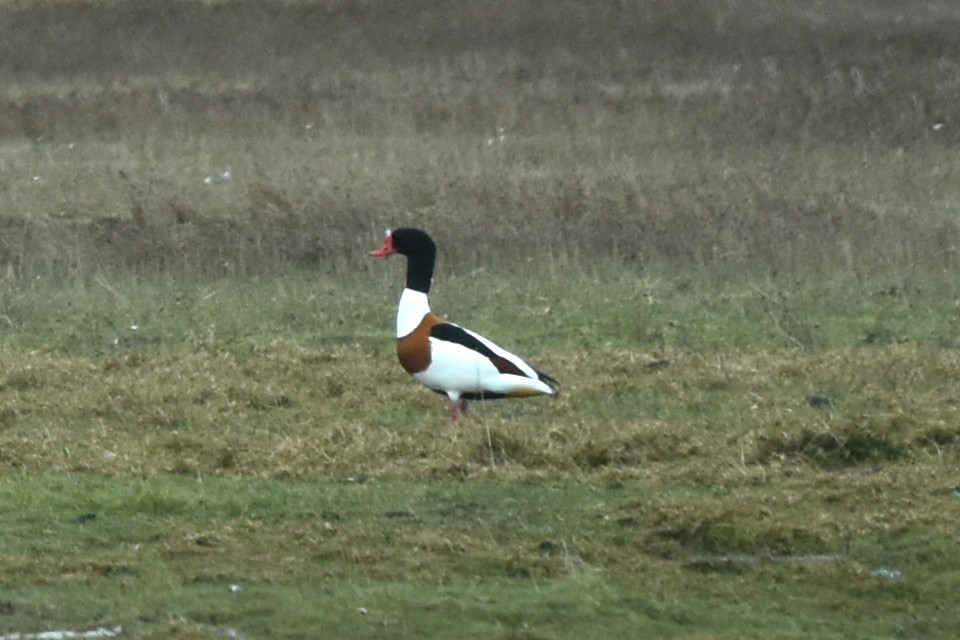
(480,557)
(682,484)
(616,307)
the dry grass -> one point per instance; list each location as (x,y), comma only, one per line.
(292,412)
(753,135)
(699,478)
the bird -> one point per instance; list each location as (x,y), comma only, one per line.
(443,356)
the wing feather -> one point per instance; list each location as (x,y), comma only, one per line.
(458,335)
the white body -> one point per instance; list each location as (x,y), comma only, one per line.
(456,369)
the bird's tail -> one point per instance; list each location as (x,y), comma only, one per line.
(548,380)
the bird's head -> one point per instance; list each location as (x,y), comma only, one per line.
(408,242)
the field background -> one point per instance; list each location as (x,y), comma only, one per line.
(728,228)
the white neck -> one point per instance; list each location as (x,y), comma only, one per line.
(413,306)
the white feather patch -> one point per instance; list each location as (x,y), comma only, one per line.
(506,355)
(413,307)
(458,369)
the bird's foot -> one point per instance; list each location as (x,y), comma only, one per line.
(458,408)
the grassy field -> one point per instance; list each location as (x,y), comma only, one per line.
(728,228)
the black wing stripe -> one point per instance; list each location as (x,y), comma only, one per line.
(548,380)
(457,335)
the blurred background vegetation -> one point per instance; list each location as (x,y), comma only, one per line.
(221,138)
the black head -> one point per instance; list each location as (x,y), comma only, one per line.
(421,253)
(413,242)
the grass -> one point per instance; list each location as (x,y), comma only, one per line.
(183,391)
(641,308)
(482,556)
(674,487)
(726,228)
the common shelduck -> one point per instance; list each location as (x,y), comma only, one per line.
(444,356)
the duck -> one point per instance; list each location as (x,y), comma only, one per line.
(445,357)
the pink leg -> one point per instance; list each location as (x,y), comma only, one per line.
(457,408)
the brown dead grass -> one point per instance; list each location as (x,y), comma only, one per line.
(293,412)
(753,134)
